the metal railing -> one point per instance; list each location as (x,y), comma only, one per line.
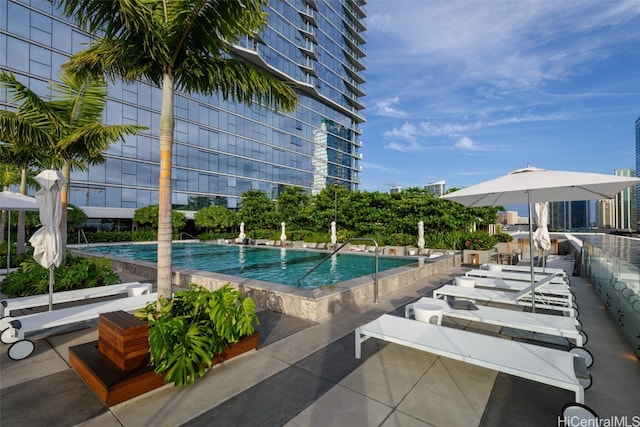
(81,233)
(375,275)
(187,234)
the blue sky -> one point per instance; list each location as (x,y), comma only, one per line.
(466,91)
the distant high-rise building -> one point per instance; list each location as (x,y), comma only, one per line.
(395,189)
(222,149)
(625,203)
(637,171)
(436,188)
(605,213)
(508,218)
(569,215)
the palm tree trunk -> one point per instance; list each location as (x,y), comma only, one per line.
(64,201)
(3,224)
(20,236)
(164,197)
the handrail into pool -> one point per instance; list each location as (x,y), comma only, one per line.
(375,276)
(187,234)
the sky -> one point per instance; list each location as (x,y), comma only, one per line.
(466,91)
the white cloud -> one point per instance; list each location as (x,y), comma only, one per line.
(466,143)
(386,107)
(505,44)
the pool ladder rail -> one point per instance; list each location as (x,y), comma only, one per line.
(188,235)
(375,275)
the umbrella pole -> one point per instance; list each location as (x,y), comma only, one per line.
(51,288)
(8,241)
(533,294)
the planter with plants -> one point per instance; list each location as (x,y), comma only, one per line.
(197,329)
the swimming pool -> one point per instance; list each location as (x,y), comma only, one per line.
(277,265)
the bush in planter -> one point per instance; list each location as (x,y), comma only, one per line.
(75,272)
(480,240)
(187,332)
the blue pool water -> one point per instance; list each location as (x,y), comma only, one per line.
(276,265)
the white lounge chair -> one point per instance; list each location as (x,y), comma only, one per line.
(22,348)
(11,304)
(514,275)
(545,365)
(516,285)
(522,269)
(549,324)
(562,303)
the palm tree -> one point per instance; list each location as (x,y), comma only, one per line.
(178,44)
(9,174)
(26,132)
(82,138)
(65,132)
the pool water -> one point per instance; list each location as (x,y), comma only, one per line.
(276,265)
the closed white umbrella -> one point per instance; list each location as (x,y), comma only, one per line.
(541,238)
(421,235)
(531,185)
(11,201)
(46,241)
(283,236)
(334,237)
(242,235)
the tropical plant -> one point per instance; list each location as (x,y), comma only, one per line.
(81,138)
(291,206)
(215,218)
(75,217)
(25,131)
(148,217)
(176,44)
(187,332)
(66,132)
(480,240)
(74,273)
(504,237)
(256,210)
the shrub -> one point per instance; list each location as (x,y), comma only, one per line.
(187,332)
(504,237)
(480,240)
(75,273)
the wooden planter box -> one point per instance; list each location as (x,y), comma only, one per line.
(116,368)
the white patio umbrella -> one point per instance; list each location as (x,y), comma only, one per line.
(241,236)
(421,235)
(541,238)
(531,185)
(334,236)
(283,236)
(46,241)
(11,201)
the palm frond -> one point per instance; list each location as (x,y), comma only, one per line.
(237,80)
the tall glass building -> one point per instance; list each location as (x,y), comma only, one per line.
(638,172)
(222,149)
(569,216)
(625,203)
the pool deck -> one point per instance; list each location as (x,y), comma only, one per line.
(304,373)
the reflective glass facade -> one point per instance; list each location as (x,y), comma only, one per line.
(221,149)
(625,203)
(569,216)
(638,172)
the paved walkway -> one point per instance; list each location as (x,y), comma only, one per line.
(305,374)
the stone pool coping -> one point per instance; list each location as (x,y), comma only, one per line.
(312,304)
